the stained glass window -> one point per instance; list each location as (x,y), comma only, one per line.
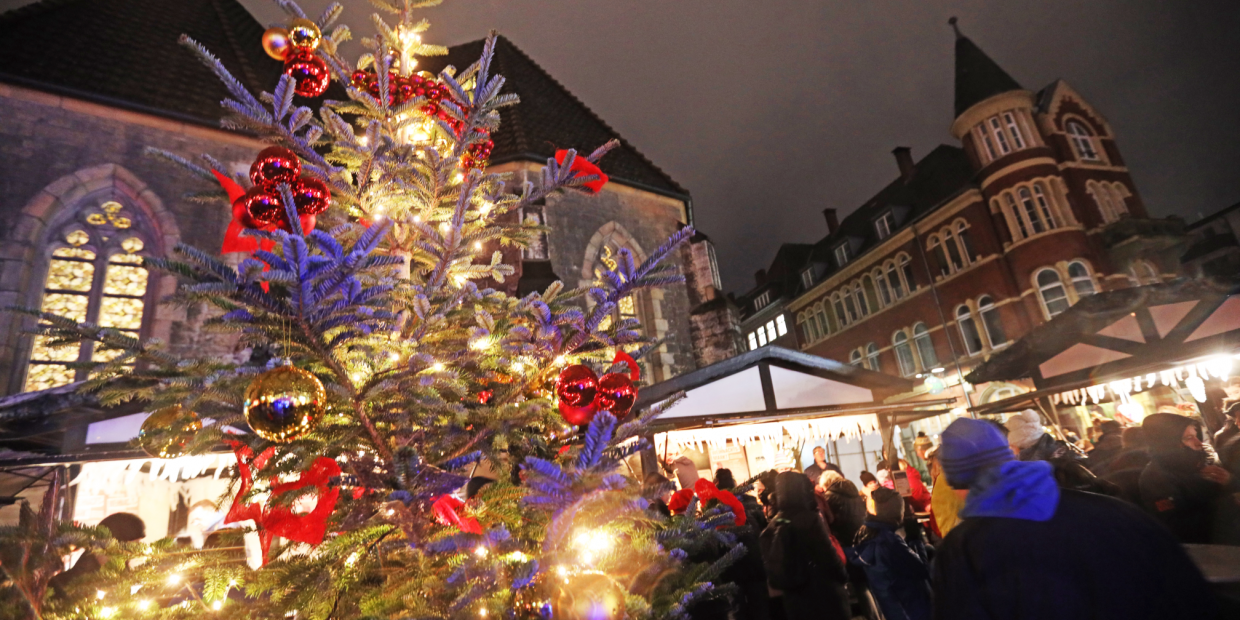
(94,275)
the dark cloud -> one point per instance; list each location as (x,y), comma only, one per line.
(769,112)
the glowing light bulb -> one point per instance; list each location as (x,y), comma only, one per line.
(518,366)
(217,605)
(437,367)
(560,359)
(389,512)
(232,583)
(444,227)
(174,579)
(482,612)
(458,177)
(486,207)
(99,594)
(481,344)
(481,551)
(144,604)
(477,245)
(417,218)
(362,140)
(107,612)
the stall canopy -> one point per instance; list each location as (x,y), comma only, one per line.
(771,392)
(1120,340)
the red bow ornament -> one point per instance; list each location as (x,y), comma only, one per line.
(279,520)
(445,509)
(582,167)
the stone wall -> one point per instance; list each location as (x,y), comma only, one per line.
(61,153)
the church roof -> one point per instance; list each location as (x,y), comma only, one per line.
(977,76)
(124,53)
(550,117)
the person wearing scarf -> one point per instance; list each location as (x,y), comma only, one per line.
(1193,497)
(1026,548)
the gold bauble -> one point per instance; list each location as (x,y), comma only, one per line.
(589,595)
(304,33)
(167,431)
(284,404)
(276,43)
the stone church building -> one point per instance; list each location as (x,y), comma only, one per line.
(80,202)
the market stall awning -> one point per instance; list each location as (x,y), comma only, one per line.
(1120,335)
(773,384)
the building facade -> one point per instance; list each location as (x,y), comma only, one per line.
(973,245)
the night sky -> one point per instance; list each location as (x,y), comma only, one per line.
(769,112)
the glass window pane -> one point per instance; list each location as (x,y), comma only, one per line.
(770,331)
(761,336)
(781,326)
(863,304)
(46,376)
(850,306)
(69,305)
(906,266)
(65,275)
(1044,206)
(968,331)
(753,341)
(893,277)
(994,326)
(925,347)
(1031,210)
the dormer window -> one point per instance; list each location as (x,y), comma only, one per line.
(841,255)
(882,226)
(807,278)
(762,301)
(1082,141)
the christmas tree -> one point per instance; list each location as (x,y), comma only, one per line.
(385,369)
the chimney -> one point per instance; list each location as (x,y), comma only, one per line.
(760,277)
(833,222)
(904,159)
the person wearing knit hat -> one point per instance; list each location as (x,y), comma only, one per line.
(1182,488)
(898,575)
(1024,429)
(1022,537)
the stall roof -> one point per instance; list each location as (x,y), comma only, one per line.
(774,383)
(1122,333)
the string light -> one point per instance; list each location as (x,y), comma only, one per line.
(437,367)
(144,604)
(174,579)
(99,594)
(107,612)
(482,612)
(477,245)
(481,551)
(485,207)
(217,605)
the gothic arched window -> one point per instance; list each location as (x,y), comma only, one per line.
(1082,141)
(95,275)
(1082,280)
(968,330)
(1051,292)
(904,353)
(871,356)
(925,347)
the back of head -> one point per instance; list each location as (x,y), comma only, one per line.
(829,478)
(888,506)
(794,492)
(124,526)
(655,480)
(969,447)
(1133,438)
(866,478)
(1110,426)
(1164,432)
(724,479)
(1025,429)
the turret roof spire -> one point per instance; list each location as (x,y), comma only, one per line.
(977,76)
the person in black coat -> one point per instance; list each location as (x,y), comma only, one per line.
(800,560)
(1181,488)
(898,575)
(847,506)
(1029,549)
(1109,445)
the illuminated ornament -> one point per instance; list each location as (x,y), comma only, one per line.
(276,43)
(576,388)
(275,164)
(166,432)
(588,595)
(311,196)
(531,602)
(304,34)
(284,404)
(309,72)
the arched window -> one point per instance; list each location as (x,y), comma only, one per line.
(1105,201)
(1082,141)
(1118,193)
(1051,292)
(863,306)
(1009,119)
(820,317)
(953,251)
(966,247)
(906,269)
(1082,280)
(854,358)
(753,341)
(871,288)
(884,290)
(1021,226)
(935,245)
(1145,272)
(871,356)
(925,347)
(850,306)
(841,315)
(991,321)
(893,279)
(1030,210)
(904,353)
(94,274)
(996,128)
(968,330)
(1044,207)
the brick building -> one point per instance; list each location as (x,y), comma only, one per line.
(973,245)
(80,202)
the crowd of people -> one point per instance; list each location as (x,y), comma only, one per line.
(1015,521)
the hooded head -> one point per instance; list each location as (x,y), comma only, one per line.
(124,526)
(1024,429)
(969,447)
(1164,432)
(794,492)
(724,479)
(888,506)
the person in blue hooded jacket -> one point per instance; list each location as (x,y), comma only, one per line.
(898,575)
(1027,548)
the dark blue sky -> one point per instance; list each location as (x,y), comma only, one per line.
(768,112)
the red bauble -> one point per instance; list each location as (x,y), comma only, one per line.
(241,213)
(405,88)
(275,164)
(309,72)
(263,207)
(616,393)
(307,224)
(484,396)
(576,388)
(311,196)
